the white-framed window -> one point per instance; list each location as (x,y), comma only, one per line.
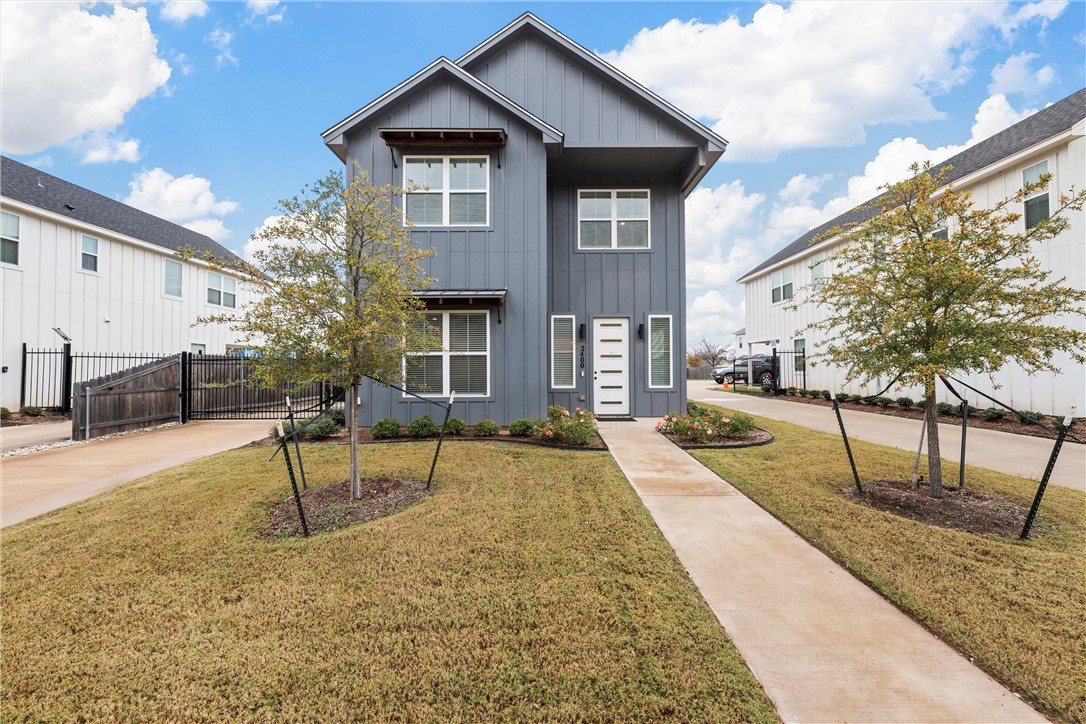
(9,238)
(660,372)
(781,283)
(173,278)
(447,190)
(459,363)
(222,290)
(941,233)
(799,346)
(88,256)
(818,270)
(563,342)
(612,219)
(1036,205)
(198,348)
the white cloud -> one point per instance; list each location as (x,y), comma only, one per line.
(183,64)
(180,11)
(253,244)
(102,147)
(221,40)
(44,161)
(186,200)
(786,79)
(96,69)
(1014,75)
(270,10)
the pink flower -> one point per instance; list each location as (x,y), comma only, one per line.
(549,433)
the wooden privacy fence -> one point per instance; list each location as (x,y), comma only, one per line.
(142,396)
(699,373)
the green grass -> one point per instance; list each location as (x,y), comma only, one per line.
(1018,609)
(532,585)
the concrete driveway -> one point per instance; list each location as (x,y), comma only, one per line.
(20,436)
(40,482)
(1002,451)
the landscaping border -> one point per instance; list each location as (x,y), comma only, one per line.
(739,446)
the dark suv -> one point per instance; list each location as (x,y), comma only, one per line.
(762,367)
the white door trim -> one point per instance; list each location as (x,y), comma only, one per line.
(611,365)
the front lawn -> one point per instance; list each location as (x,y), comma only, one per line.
(1018,609)
(532,585)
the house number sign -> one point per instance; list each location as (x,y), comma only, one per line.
(582,360)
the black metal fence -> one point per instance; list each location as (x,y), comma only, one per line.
(223,387)
(789,370)
(48,374)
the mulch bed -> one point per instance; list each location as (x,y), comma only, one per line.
(329,508)
(971,511)
(19,420)
(364,436)
(755,437)
(1010,423)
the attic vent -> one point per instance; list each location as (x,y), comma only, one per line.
(69,207)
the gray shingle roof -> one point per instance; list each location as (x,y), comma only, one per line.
(39,189)
(1028,132)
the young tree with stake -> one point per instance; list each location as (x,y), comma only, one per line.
(932,287)
(336,270)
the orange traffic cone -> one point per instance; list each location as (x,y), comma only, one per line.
(725,384)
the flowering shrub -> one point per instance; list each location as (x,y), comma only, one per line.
(705,426)
(578,428)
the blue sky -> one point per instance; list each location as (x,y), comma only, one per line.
(208,113)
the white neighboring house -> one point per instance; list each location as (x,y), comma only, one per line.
(1052,141)
(106,274)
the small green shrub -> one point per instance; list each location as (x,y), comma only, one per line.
(768,387)
(455,426)
(523,427)
(5,413)
(904,402)
(32,411)
(882,401)
(740,423)
(486,428)
(579,427)
(841,397)
(338,414)
(692,408)
(945,408)
(1038,416)
(854,398)
(791,390)
(803,391)
(993,413)
(324,427)
(422,427)
(827,395)
(385,428)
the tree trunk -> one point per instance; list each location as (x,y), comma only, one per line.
(352,414)
(935,463)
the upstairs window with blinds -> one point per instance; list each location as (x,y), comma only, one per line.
(173,273)
(447,190)
(660,375)
(780,283)
(88,257)
(562,343)
(1036,209)
(9,238)
(615,219)
(457,361)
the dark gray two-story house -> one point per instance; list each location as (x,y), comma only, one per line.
(552,187)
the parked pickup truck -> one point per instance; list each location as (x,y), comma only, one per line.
(763,370)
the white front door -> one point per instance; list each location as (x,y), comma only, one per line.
(611,368)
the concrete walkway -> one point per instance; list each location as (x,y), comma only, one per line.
(825,647)
(1003,451)
(20,436)
(44,481)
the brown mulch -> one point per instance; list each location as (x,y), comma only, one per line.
(757,436)
(330,507)
(971,511)
(19,420)
(1010,423)
(364,436)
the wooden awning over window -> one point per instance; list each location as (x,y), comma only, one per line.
(460,137)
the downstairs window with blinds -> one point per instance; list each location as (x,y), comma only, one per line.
(562,376)
(660,351)
(457,361)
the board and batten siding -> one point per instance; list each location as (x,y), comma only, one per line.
(508,254)
(566,93)
(620,283)
(1064,255)
(49,289)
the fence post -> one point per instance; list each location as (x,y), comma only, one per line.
(22,382)
(186,386)
(776,373)
(86,413)
(66,380)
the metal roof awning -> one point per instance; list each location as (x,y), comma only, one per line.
(463,137)
(462,296)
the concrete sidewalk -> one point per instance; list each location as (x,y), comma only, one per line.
(1003,451)
(44,481)
(824,646)
(20,436)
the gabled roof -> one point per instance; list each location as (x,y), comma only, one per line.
(333,137)
(1056,119)
(529,22)
(30,186)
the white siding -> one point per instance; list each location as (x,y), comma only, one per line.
(1065,255)
(121,308)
